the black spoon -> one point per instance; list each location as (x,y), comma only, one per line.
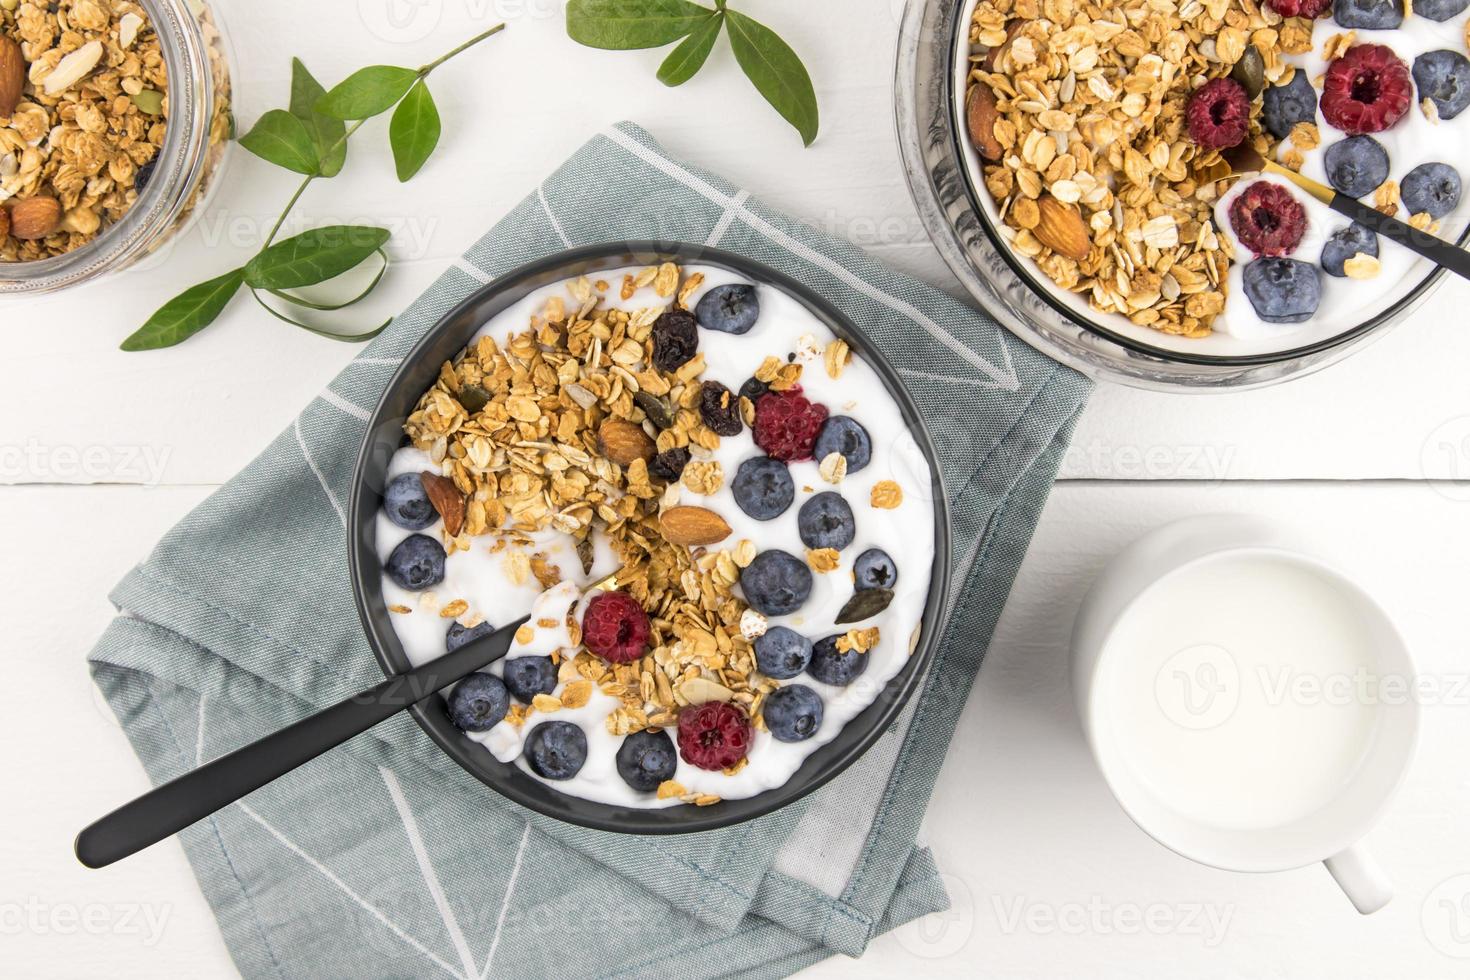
(193,796)
(1243,159)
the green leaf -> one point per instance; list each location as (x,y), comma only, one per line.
(692,52)
(346,338)
(326,133)
(186,314)
(776,71)
(367,92)
(328,307)
(624,24)
(314,256)
(413,131)
(282,139)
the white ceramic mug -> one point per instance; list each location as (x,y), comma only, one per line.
(1161,769)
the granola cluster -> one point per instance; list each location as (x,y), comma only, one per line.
(88,118)
(1083,105)
(543,432)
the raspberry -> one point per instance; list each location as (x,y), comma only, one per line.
(1310,9)
(786,424)
(714,735)
(615,627)
(1267,219)
(1367,90)
(1219,113)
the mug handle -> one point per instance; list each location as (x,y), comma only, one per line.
(1358,875)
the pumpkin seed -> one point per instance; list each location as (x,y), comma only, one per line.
(473,397)
(1250,71)
(656,408)
(864,605)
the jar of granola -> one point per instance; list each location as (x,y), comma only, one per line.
(114,120)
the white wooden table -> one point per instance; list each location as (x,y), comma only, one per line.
(100,452)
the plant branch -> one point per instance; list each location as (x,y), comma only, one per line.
(463,47)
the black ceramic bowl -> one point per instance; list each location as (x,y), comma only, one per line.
(385,435)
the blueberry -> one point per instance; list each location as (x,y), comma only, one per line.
(825,521)
(417,563)
(646,759)
(1439,10)
(1368,15)
(1344,244)
(1283,106)
(776,583)
(782,653)
(478,702)
(831,667)
(1443,77)
(874,570)
(733,308)
(753,389)
(1356,165)
(527,677)
(1282,290)
(841,434)
(556,749)
(792,713)
(1431,187)
(407,504)
(763,488)
(458,636)
(143,175)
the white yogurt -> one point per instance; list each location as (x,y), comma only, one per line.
(1411,141)
(906,533)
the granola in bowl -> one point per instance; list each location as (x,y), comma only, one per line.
(84,114)
(1096,132)
(753,479)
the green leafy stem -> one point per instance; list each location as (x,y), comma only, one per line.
(310,138)
(768,61)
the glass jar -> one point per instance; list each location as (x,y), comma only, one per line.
(195,144)
(930,141)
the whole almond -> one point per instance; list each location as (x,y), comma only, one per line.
(35,217)
(1062,229)
(981,114)
(623,442)
(692,526)
(12,75)
(447,500)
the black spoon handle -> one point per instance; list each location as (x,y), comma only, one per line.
(1436,250)
(196,794)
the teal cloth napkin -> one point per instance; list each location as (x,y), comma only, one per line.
(383,859)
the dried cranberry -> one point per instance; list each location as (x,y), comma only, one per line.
(675,339)
(669,465)
(720,409)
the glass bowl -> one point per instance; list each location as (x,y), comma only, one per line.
(1011,289)
(195,145)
